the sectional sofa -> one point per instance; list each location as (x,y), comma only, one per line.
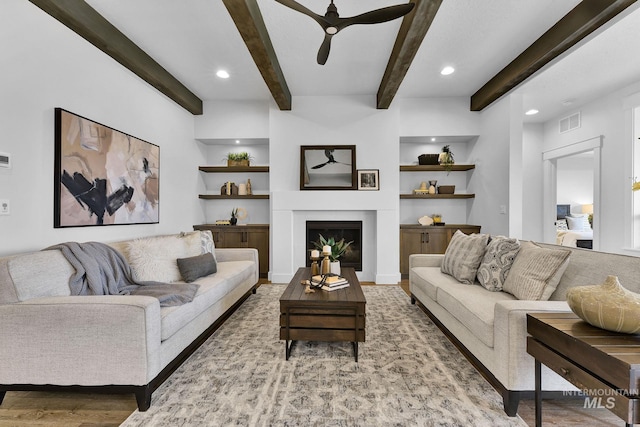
(51,339)
(489,327)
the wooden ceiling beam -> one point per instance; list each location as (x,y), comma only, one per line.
(412,31)
(581,21)
(93,27)
(248,19)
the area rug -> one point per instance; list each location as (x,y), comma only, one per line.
(408,374)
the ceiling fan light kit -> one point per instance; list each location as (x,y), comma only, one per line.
(331,22)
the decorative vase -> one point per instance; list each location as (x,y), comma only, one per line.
(335,267)
(432,186)
(607,306)
(233,221)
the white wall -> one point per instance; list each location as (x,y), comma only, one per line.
(532,140)
(605,116)
(45,65)
(575,181)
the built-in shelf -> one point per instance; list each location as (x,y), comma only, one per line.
(435,168)
(437,196)
(234,196)
(227,169)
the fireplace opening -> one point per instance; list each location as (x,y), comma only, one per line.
(347,230)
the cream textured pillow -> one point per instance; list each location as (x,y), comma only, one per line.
(536,272)
(497,261)
(463,256)
(207,244)
(154,258)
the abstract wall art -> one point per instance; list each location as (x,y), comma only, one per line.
(103,176)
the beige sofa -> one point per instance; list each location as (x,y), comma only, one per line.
(112,343)
(490,327)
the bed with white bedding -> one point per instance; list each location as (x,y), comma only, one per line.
(573,229)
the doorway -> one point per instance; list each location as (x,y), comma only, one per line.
(561,178)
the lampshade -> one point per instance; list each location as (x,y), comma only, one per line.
(587,209)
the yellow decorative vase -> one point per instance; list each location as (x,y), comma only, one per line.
(607,306)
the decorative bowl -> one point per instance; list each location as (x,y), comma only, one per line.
(446,189)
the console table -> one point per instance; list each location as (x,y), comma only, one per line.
(603,364)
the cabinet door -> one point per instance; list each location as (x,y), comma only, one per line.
(411,242)
(435,241)
(234,238)
(259,239)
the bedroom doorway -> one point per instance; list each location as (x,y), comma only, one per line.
(564,170)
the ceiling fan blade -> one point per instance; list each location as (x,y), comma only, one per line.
(377,16)
(323,53)
(302,9)
(320,165)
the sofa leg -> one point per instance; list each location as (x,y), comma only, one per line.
(254,290)
(413,300)
(2,393)
(511,400)
(143,397)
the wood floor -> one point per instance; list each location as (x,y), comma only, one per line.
(97,410)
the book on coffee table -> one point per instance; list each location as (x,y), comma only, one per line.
(329,281)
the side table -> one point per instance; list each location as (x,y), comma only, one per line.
(604,365)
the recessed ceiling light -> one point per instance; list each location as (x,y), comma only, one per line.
(532,112)
(237,141)
(223,74)
(447,70)
(433,140)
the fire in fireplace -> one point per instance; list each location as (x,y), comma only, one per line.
(347,230)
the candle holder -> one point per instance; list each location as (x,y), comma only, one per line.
(326,264)
(315,267)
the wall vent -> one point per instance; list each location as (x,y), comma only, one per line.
(570,123)
(5,160)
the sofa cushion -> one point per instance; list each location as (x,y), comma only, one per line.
(212,289)
(463,256)
(430,279)
(40,274)
(497,261)
(207,244)
(192,268)
(154,258)
(473,306)
(536,272)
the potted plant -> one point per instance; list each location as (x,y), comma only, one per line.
(234,216)
(337,250)
(446,158)
(238,159)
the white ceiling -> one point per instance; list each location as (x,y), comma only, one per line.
(194,38)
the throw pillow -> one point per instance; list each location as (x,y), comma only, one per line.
(536,272)
(154,258)
(463,256)
(497,261)
(561,225)
(193,243)
(197,266)
(578,223)
(207,244)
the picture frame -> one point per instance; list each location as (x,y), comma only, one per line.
(327,167)
(103,176)
(368,179)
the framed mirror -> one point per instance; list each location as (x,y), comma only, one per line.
(327,167)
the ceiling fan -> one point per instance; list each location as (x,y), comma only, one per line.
(329,154)
(331,22)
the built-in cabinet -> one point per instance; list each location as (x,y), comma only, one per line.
(436,168)
(420,239)
(242,236)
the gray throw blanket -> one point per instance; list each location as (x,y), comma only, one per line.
(102,270)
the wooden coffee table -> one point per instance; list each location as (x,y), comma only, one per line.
(322,315)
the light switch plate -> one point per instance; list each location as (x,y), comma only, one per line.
(5,208)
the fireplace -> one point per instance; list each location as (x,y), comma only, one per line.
(347,230)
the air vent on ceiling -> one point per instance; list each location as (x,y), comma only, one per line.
(5,160)
(570,123)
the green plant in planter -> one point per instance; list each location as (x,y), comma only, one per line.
(337,248)
(446,158)
(238,157)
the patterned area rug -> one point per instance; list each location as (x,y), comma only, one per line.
(408,374)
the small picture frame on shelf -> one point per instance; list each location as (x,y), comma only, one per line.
(368,179)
